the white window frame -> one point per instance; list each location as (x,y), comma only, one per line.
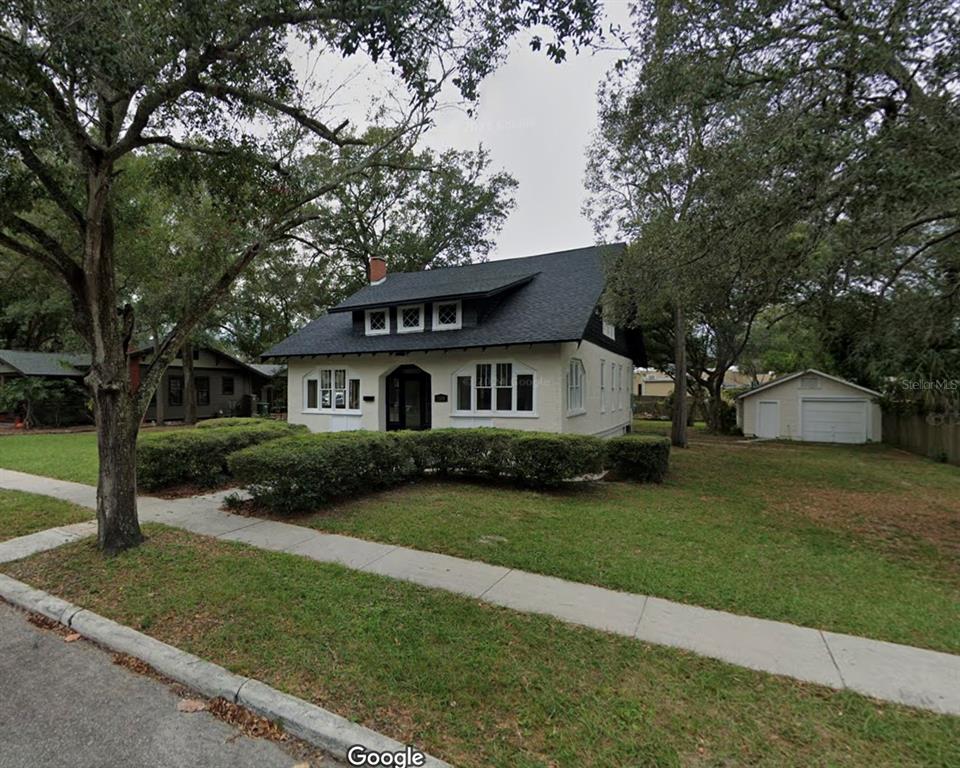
(517,369)
(317,375)
(603,386)
(450,326)
(609,330)
(401,328)
(375,332)
(576,382)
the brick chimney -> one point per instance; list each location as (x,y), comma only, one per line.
(377,269)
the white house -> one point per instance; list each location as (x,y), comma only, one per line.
(811,405)
(515,343)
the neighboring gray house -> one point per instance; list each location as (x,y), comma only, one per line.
(46,365)
(225,386)
(514,343)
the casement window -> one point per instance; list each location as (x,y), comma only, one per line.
(175,390)
(202,385)
(609,330)
(331,390)
(410,318)
(495,388)
(447,315)
(603,386)
(377,322)
(226,385)
(576,375)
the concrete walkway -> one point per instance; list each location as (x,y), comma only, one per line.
(898,673)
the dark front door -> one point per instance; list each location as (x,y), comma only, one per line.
(408,398)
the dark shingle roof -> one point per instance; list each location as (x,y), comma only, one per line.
(557,294)
(433,284)
(46,363)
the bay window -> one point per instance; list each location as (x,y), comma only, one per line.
(332,390)
(501,388)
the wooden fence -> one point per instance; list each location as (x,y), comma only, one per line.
(936,436)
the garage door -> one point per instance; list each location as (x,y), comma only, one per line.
(834,421)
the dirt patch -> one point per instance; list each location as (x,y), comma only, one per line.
(186,491)
(895,520)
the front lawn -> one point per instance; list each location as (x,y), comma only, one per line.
(862,540)
(24,513)
(475,684)
(68,456)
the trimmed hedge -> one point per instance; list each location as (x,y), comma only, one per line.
(643,458)
(238,421)
(298,474)
(198,456)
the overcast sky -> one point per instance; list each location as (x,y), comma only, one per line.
(535,118)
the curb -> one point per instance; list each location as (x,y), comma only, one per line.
(318,726)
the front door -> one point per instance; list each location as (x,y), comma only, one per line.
(408,398)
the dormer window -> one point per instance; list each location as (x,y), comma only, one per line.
(410,318)
(378,322)
(446,316)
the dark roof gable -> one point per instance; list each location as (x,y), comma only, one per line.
(550,297)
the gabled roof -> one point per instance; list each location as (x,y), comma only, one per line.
(806,372)
(550,297)
(65,364)
(252,367)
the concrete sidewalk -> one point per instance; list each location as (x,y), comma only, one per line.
(898,673)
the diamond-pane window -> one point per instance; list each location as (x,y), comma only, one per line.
(447,314)
(378,321)
(411,317)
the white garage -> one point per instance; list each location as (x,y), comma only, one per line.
(811,405)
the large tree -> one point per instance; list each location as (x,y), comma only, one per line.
(86,86)
(827,138)
(416,208)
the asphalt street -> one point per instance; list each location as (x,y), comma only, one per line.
(68,704)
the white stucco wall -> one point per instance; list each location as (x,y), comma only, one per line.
(789,395)
(548,362)
(611,417)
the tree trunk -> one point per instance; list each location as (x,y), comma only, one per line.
(118,423)
(678,434)
(189,390)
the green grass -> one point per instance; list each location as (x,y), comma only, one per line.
(24,513)
(69,456)
(474,684)
(855,539)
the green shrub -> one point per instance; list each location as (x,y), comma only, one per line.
(482,452)
(242,421)
(643,458)
(298,474)
(197,456)
(545,460)
(301,473)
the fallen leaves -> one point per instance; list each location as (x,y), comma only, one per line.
(72,637)
(246,721)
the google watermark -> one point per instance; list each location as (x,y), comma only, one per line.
(408,757)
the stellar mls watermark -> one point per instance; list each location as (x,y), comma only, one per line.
(408,757)
(930,385)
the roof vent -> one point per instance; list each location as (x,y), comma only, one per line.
(377,269)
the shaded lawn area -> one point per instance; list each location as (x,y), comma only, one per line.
(864,540)
(25,513)
(474,684)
